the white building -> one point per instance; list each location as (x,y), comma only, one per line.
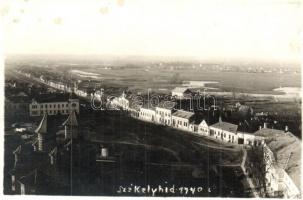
(52,104)
(181,92)
(81,93)
(225,132)
(203,128)
(122,102)
(147,114)
(282,156)
(250,139)
(164,113)
(181,119)
(278,182)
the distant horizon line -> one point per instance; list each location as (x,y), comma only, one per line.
(160,58)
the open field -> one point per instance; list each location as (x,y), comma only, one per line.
(163,76)
(139,78)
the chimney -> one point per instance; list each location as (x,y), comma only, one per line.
(286,128)
(260,127)
(220,119)
(265,125)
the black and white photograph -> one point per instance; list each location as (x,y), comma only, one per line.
(151,98)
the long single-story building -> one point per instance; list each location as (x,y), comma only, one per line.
(225,132)
(181,119)
(147,114)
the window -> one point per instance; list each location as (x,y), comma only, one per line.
(74,104)
(45,105)
(54,105)
(50,105)
(34,113)
(34,106)
(41,106)
(62,105)
(58,105)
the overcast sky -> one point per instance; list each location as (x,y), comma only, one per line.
(257,29)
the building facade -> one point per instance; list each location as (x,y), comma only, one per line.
(225,132)
(203,128)
(278,182)
(181,119)
(163,116)
(53,106)
(147,114)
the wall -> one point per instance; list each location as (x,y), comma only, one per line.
(277,178)
(147,114)
(180,123)
(203,128)
(224,135)
(163,116)
(53,108)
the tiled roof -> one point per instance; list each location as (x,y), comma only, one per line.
(226,126)
(183,114)
(57,97)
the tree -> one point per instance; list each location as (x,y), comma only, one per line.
(176,79)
